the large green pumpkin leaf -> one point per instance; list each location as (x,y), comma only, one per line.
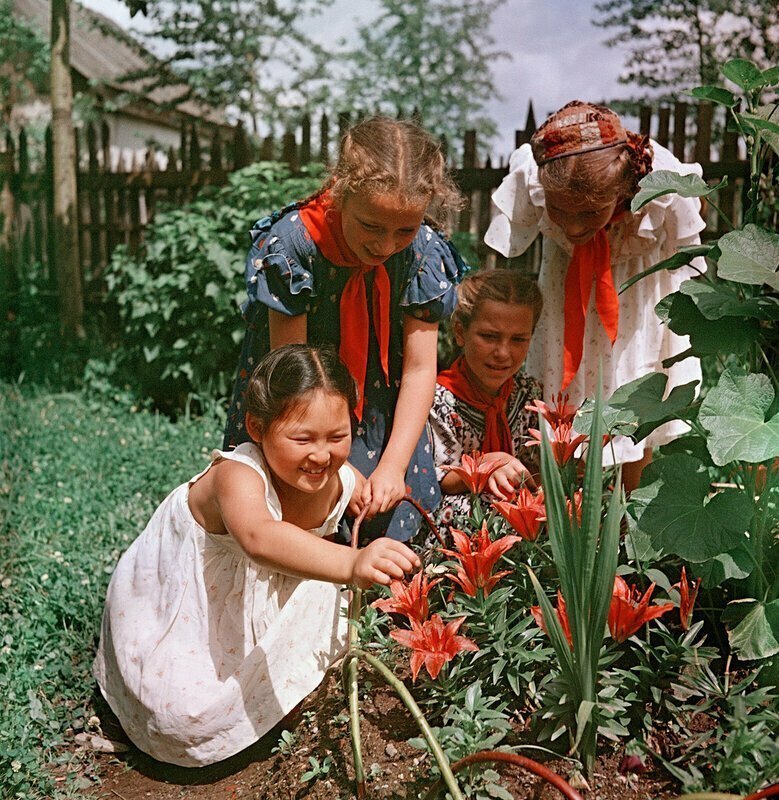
(736,564)
(674,508)
(750,256)
(734,414)
(665,181)
(638,407)
(722,299)
(707,337)
(757,635)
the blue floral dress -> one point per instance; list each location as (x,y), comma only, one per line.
(286,272)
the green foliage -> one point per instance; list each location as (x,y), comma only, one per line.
(431,56)
(318,769)
(740,753)
(254,56)
(79,478)
(672,43)
(179,324)
(585,554)
(729,313)
(24,60)
(476,723)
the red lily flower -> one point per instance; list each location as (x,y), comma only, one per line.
(562,616)
(433,643)
(524,513)
(409,597)
(630,609)
(561,411)
(475,471)
(478,555)
(687,597)
(563,441)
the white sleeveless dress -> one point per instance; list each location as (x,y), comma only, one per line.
(202,650)
(638,241)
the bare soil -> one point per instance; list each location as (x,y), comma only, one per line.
(320,727)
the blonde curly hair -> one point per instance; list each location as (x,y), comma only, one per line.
(380,156)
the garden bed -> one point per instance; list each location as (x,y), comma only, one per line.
(320,727)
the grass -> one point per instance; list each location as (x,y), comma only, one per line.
(79,478)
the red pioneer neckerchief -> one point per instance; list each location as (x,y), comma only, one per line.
(323,221)
(497,434)
(589,261)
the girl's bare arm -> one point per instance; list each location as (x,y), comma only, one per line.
(239,493)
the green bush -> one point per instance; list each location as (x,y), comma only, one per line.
(179,324)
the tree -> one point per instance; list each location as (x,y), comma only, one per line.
(67,268)
(428,56)
(672,44)
(24,60)
(250,55)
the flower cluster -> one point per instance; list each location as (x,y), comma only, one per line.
(628,612)
(433,643)
(525,512)
(475,471)
(559,415)
(477,556)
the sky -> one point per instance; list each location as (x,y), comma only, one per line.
(557,55)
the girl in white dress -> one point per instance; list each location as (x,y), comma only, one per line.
(572,185)
(227,610)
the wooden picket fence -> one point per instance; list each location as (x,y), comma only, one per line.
(117,201)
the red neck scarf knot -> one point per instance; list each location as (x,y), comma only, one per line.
(323,221)
(497,434)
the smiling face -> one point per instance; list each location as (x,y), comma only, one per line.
(579,219)
(495,343)
(378,226)
(306,447)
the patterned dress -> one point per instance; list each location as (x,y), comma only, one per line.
(457,428)
(286,272)
(637,242)
(202,650)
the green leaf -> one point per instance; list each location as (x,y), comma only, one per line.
(743,73)
(707,337)
(771,76)
(665,181)
(723,299)
(734,414)
(677,512)
(768,113)
(736,564)
(638,407)
(750,256)
(757,635)
(681,258)
(716,94)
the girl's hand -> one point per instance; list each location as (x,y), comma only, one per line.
(504,482)
(382,561)
(385,488)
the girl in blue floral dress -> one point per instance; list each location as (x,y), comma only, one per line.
(359,266)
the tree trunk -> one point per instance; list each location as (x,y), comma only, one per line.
(67,268)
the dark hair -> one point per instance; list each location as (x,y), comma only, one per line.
(286,374)
(500,285)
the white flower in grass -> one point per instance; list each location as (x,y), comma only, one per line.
(16,765)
